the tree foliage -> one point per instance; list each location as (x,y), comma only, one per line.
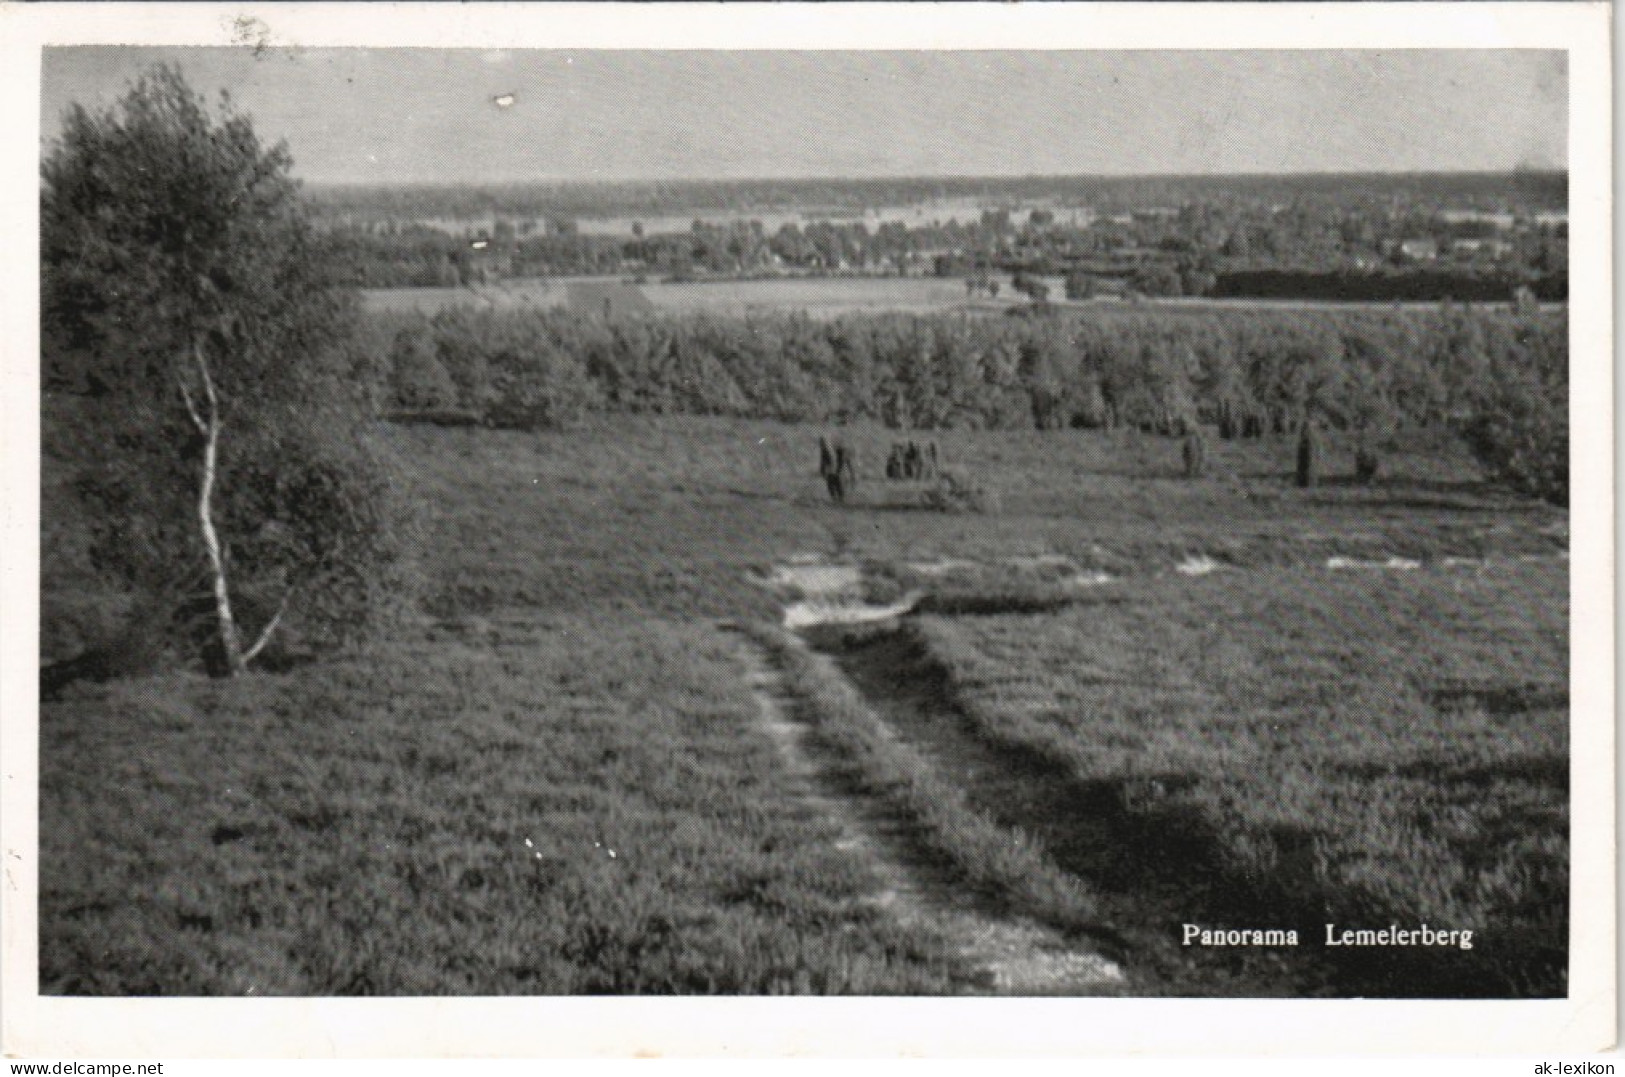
(190,306)
(1519,426)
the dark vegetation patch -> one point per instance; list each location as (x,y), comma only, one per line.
(435,416)
(1501,700)
(996,598)
(994,605)
(1410,285)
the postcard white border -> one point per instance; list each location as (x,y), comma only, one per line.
(575,1027)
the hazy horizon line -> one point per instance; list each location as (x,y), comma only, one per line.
(937,178)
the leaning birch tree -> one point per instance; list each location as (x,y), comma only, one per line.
(191,308)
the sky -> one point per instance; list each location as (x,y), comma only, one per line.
(356,115)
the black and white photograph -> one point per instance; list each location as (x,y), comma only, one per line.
(1046,519)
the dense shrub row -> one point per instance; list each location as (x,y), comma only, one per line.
(1463,284)
(1498,376)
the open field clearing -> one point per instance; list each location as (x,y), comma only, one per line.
(820,297)
(828,297)
(561,778)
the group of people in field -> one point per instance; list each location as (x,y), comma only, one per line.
(838,464)
(909,461)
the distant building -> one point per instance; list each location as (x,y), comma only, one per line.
(1480,248)
(1498,221)
(1418,250)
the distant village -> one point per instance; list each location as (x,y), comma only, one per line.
(1219,246)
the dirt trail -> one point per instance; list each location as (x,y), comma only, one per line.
(1008,955)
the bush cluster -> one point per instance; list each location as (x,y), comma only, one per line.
(1520,428)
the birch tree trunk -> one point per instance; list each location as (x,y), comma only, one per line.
(209,425)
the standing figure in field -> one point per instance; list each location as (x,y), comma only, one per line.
(836,463)
(931,466)
(894,462)
(1308,455)
(1195,453)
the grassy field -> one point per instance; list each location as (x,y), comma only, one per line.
(820,297)
(435,813)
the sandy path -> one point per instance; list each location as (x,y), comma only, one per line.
(1008,954)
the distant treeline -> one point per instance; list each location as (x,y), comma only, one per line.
(1485,190)
(1497,378)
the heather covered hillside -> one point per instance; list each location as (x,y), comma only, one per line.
(1147,586)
